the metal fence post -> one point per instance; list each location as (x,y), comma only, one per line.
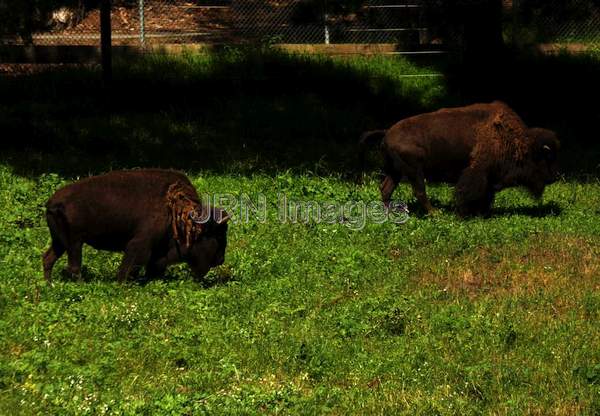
(326,30)
(326,27)
(106,40)
(142,24)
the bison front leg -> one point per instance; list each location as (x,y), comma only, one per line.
(411,164)
(137,253)
(473,193)
(485,208)
(156,269)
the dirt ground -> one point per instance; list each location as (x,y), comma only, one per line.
(183,22)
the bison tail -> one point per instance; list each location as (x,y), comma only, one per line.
(57,223)
(371,137)
(367,139)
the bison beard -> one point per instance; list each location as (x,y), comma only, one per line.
(482,148)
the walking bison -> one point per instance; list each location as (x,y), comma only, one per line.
(482,148)
(154,216)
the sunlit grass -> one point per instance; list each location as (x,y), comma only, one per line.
(436,315)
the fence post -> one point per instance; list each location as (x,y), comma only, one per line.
(142,24)
(513,33)
(326,30)
(106,40)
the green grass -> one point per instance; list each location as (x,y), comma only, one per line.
(435,316)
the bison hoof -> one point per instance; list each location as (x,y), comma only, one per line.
(433,212)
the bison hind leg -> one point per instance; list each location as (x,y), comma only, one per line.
(156,269)
(53,253)
(387,187)
(410,164)
(59,232)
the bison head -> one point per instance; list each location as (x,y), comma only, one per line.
(543,160)
(208,248)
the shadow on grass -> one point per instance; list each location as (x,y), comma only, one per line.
(230,111)
(550,209)
(259,110)
(205,283)
(88,276)
(417,211)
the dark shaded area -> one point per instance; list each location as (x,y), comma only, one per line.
(473,27)
(544,21)
(221,276)
(534,210)
(551,209)
(258,111)
(266,111)
(558,92)
(205,283)
(21,18)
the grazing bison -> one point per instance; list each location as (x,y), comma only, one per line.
(482,148)
(154,216)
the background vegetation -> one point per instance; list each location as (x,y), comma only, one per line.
(436,316)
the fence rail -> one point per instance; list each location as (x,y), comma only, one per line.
(405,24)
(182,21)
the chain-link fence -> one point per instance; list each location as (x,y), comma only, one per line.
(402,22)
(134,22)
(553,21)
(151,22)
(405,24)
(375,21)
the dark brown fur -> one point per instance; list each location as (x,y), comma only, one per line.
(154,216)
(482,148)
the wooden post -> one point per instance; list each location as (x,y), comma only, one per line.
(106,40)
(515,22)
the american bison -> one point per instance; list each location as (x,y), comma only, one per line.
(482,148)
(154,216)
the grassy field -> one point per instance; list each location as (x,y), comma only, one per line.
(435,316)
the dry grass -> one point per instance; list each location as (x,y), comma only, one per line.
(554,264)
